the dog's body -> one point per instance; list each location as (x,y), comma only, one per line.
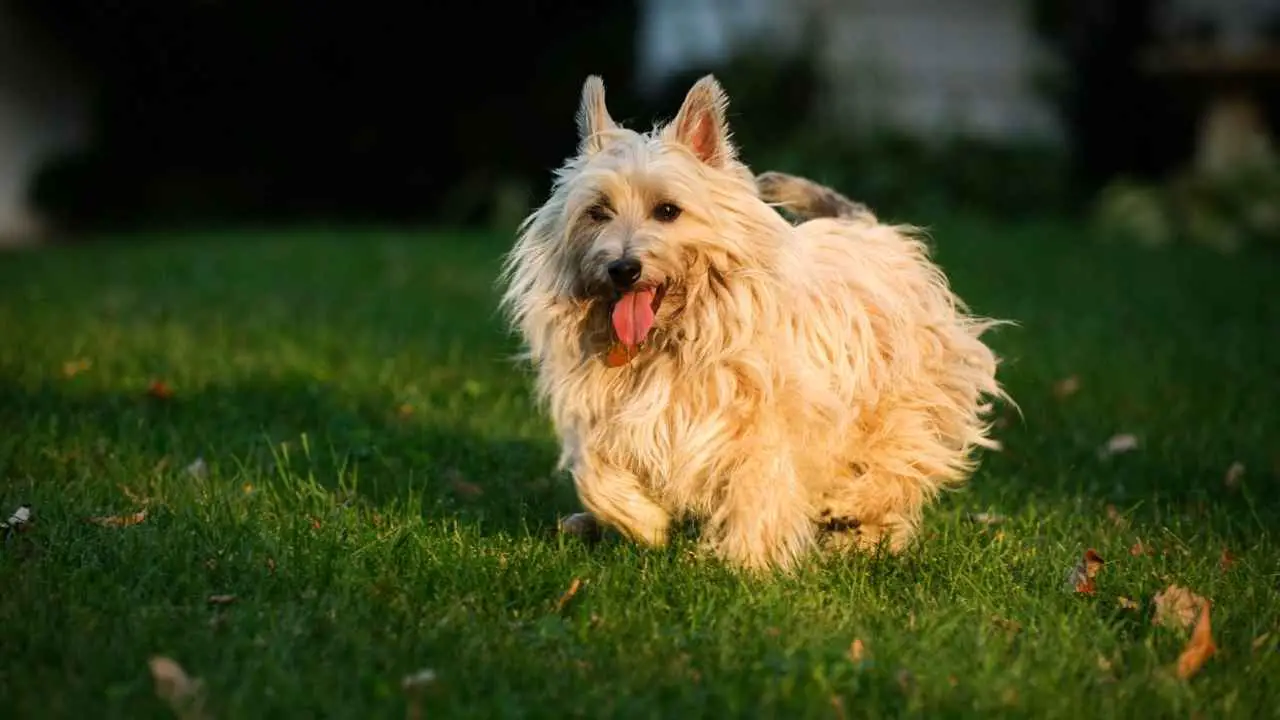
(784,384)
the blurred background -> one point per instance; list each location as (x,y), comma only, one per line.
(1153,118)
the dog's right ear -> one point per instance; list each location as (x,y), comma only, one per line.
(593,116)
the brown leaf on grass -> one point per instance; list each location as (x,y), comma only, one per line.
(185,695)
(405,410)
(1009,627)
(221,599)
(467,489)
(837,706)
(1080,579)
(1177,607)
(857,651)
(72,368)
(119,520)
(1200,648)
(906,680)
(271,566)
(563,602)
(132,495)
(1234,475)
(1121,443)
(1226,560)
(159,390)
(1126,604)
(1138,549)
(1117,519)
(461,485)
(315,522)
(1066,387)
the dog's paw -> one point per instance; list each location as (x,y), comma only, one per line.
(581,525)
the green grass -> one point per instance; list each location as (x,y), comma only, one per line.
(364,542)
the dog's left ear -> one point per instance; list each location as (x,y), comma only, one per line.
(593,116)
(700,125)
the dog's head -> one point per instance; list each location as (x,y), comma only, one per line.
(636,220)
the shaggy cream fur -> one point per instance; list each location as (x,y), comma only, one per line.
(799,384)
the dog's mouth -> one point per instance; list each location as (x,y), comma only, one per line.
(633,316)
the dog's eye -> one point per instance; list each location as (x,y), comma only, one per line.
(666,212)
(599,213)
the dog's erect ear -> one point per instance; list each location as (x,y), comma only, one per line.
(701,125)
(593,116)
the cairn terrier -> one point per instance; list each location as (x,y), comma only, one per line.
(790,386)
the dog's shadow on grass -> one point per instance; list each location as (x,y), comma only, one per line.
(287,431)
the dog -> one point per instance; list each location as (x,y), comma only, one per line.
(792,386)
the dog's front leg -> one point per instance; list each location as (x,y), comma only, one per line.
(763,518)
(615,497)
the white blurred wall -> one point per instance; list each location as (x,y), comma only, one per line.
(930,67)
(42,106)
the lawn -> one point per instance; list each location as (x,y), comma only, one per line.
(325,426)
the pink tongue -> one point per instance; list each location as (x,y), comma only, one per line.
(633,316)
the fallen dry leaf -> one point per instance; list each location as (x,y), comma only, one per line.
(563,602)
(1226,560)
(18,521)
(185,695)
(160,390)
(837,705)
(1138,549)
(1177,607)
(119,520)
(1010,627)
(413,685)
(271,566)
(221,599)
(133,496)
(1234,475)
(1066,387)
(857,651)
(1080,579)
(1113,514)
(1261,640)
(1200,648)
(1122,443)
(72,368)
(405,410)
(1103,663)
(1127,604)
(461,485)
(985,518)
(198,469)
(906,680)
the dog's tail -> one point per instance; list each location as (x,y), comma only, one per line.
(805,199)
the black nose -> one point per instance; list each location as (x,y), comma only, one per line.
(624,273)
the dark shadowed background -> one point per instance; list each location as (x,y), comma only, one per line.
(193,111)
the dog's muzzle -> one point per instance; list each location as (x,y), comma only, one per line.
(624,273)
